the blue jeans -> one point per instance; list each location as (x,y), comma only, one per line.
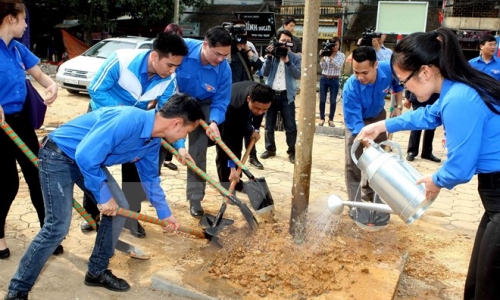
(280,103)
(58,175)
(324,85)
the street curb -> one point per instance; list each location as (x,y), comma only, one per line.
(160,281)
(338,132)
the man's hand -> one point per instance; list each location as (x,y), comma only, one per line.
(407,104)
(234,176)
(285,59)
(109,208)
(431,189)
(184,156)
(2,116)
(214,128)
(256,136)
(172,225)
(376,44)
(396,112)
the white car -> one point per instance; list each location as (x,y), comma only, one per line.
(76,74)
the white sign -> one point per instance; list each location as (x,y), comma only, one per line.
(401,17)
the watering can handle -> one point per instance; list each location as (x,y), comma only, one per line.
(354,147)
(393,145)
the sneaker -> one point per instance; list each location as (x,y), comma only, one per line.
(267,154)
(107,280)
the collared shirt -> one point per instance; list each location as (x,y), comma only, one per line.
(279,83)
(123,80)
(205,82)
(384,53)
(15,59)
(363,101)
(292,73)
(491,68)
(472,131)
(112,136)
(332,66)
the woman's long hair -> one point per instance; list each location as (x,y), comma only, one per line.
(440,48)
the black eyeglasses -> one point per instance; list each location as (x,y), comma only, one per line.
(403,82)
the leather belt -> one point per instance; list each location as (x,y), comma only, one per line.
(330,77)
(489,180)
(47,143)
(280,93)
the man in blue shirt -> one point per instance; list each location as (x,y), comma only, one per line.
(363,103)
(79,152)
(486,61)
(205,74)
(136,77)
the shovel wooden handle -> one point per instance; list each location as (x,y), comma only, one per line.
(32,157)
(243,160)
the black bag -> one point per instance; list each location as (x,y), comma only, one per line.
(36,106)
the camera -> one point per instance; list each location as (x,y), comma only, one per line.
(238,32)
(368,36)
(326,49)
(279,49)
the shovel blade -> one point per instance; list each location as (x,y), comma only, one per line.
(258,193)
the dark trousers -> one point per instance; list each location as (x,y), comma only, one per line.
(9,178)
(280,103)
(483,275)
(326,84)
(248,136)
(414,140)
(235,144)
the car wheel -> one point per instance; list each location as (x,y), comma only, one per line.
(73,92)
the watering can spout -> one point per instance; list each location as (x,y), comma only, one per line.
(336,205)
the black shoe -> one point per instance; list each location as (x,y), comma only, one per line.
(86,227)
(15,296)
(291,158)
(107,280)
(431,157)
(59,250)
(170,165)
(268,154)
(410,157)
(135,228)
(5,253)
(256,163)
(195,209)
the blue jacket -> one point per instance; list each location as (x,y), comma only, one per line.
(292,72)
(123,80)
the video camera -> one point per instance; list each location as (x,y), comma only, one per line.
(368,36)
(326,49)
(238,32)
(279,49)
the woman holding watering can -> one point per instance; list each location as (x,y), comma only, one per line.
(15,59)
(469,110)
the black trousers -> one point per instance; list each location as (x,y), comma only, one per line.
(483,275)
(9,178)
(248,136)
(414,140)
(234,141)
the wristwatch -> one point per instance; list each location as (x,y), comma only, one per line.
(213,121)
(399,106)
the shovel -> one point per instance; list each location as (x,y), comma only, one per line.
(245,211)
(257,189)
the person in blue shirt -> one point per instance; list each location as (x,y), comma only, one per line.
(79,152)
(469,110)
(15,61)
(205,74)
(486,61)
(363,103)
(136,77)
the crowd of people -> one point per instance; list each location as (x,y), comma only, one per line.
(139,97)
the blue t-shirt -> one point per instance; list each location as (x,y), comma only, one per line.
(491,68)
(472,132)
(363,101)
(15,59)
(112,136)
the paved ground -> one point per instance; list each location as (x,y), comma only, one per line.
(458,209)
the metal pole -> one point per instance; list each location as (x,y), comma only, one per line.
(176,11)
(306,126)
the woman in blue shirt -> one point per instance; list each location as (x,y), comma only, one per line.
(469,110)
(15,60)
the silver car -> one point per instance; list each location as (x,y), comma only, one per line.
(76,74)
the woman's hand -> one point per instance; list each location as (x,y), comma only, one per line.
(50,94)
(431,189)
(2,116)
(372,131)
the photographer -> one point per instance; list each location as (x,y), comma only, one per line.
(244,58)
(376,41)
(282,68)
(331,64)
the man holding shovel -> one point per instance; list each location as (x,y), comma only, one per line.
(79,152)
(249,102)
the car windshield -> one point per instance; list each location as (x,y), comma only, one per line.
(104,49)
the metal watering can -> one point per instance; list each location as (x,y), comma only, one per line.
(393,179)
